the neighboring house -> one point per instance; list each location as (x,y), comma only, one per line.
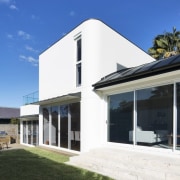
(76,111)
(8,113)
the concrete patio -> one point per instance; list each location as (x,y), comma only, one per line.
(124,164)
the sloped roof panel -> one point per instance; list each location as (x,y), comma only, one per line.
(145,70)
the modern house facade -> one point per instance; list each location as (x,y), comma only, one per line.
(76,111)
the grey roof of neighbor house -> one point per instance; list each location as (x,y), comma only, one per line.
(129,74)
(7,113)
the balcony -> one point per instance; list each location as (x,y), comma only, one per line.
(31,98)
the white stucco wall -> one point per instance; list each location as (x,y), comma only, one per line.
(27,110)
(103,50)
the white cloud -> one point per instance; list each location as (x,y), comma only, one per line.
(13,7)
(5,1)
(24,35)
(72,13)
(29,48)
(29,59)
(9,36)
(34,17)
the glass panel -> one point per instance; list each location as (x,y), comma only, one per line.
(35,133)
(120,123)
(24,132)
(78,74)
(29,133)
(178,116)
(155,116)
(75,126)
(79,50)
(45,126)
(54,126)
(64,126)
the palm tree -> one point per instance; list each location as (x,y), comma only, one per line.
(165,45)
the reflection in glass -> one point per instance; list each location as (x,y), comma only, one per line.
(64,126)
(178,116)
(75,126)
(120,117)
(24,132)
(45,126)
(155,116)
(35,134)
(54,126)
(29,133)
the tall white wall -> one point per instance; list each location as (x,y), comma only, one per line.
(103,52)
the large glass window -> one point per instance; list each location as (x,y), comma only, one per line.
(24,132)
(75,126)
(35,132)
(64,126)
(61,126)
(45,126)
(54,126)
(120,117)
(155,116)
(31,132)
(178,116)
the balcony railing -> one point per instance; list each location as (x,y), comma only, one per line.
(31,98)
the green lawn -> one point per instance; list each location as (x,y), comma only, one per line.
(39,164)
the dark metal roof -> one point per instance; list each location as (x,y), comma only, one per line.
(8,113)
(142,71)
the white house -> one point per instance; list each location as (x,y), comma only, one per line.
(97,88)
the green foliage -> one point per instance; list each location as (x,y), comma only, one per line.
(165,45)
(15,121)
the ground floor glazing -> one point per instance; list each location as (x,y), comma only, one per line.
(148,117)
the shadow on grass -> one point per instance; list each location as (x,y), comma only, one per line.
(36,164)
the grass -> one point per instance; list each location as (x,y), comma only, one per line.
(39,164)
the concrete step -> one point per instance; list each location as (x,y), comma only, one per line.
(122,164)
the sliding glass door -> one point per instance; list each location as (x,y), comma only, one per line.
(155,116)
(147,117)
(64,126)
(54,125)
(75,126)
(31,132)
(120,117)
(61,126)
(46,126)
(178,116)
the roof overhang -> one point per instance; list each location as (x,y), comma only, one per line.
(68,97)
(30,117)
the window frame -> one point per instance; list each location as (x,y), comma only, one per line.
(78,42)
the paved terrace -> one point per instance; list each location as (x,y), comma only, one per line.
(123,164)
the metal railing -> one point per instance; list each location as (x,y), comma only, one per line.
(31,98)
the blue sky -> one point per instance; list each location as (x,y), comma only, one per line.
(29,27)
